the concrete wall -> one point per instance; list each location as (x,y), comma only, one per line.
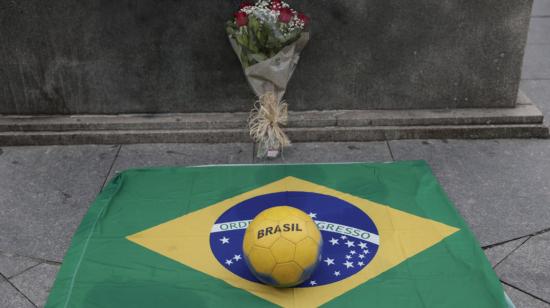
(99,56)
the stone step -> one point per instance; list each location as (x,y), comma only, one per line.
(296,134)
(523,121)
(525,113)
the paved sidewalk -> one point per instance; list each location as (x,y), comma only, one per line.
(501,187)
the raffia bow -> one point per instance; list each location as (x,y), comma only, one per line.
(266,119)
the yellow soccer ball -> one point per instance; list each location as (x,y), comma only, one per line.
(282,246)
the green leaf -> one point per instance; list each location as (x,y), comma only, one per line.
(263,34)
(242,38)
(253,23)
(252,42)
(258,57)
(244,59)
(230,27)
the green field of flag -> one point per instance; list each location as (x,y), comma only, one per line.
(172,237)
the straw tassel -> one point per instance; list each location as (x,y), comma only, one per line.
(265,121)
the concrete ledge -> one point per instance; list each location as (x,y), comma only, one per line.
(306,134)
(525,112)
(523,121)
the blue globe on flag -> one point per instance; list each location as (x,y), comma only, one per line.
(349,236)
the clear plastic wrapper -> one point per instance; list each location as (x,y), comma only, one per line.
(268,37)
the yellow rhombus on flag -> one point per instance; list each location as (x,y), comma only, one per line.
(186,240)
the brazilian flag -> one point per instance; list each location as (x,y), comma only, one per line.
(172,237)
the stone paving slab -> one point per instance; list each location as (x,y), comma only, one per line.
(11,265)
(523,300)
(317,152)
(501,187)
(539,31)
(541,8)
(11,298)
(37,282)
(536,62)
(528,268)
(44,192)
(497,253)
(190,154)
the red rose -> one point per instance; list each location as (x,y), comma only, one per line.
(241,18)
(304,18)
(285,15)
(245,4)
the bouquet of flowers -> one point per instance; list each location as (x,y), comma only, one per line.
(268,37)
